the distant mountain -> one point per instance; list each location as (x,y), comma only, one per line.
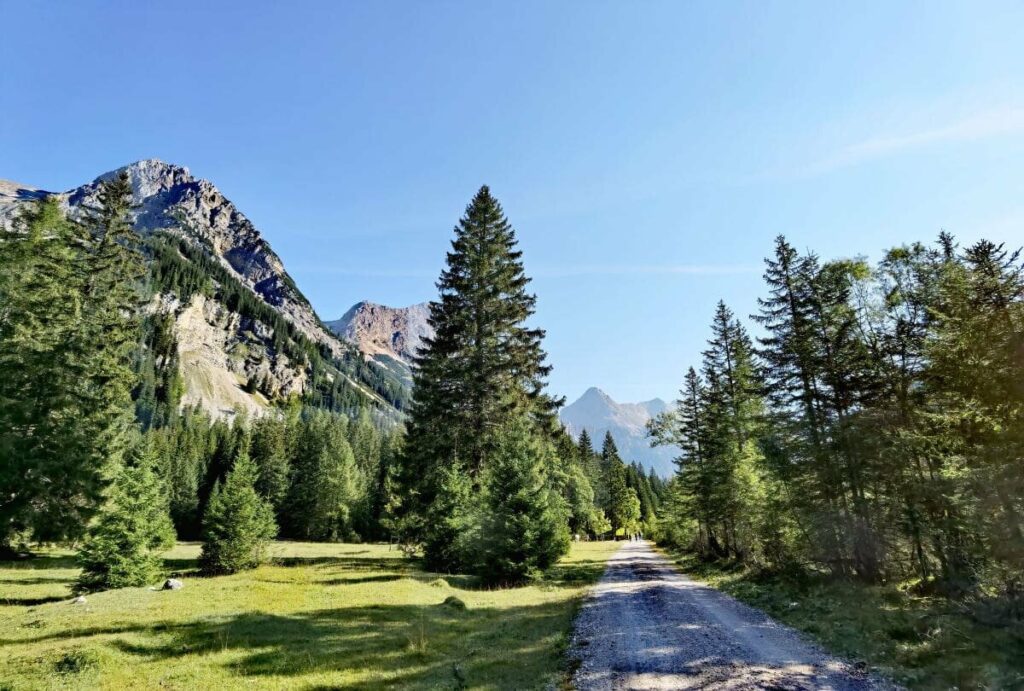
(596,412)
(386,334)
(245,335)
(390,336)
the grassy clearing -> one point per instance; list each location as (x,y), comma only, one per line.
(322,616)
(921,642)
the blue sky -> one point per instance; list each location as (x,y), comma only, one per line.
(646,152)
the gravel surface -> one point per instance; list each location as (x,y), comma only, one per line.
(646,626)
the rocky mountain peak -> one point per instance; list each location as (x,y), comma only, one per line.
(596,395)
(151,176)
(218,344)
(378,330)
(596,412)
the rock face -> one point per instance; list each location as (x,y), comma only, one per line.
(169,198)
(377,330)
(596,412)
(229,362)
(220,353)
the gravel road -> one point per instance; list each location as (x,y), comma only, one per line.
(646,626)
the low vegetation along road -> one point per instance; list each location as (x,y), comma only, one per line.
(646,626)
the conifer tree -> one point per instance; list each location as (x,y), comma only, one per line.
(323,489)
(385,500)
(585,445)
(270,452)
(482,367)
(791,353)
(239,523)
(569,477)
(525,528)
(609,458)
(593,469)
(623,503)
(123,545)
(69,299)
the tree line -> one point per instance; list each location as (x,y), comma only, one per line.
(874,429)
(98,451)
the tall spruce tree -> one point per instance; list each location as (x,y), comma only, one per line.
(69,302)
(623,503)
(324,488)
(592,467)
(482,367)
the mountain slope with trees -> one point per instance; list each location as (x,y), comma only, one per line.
(227,328)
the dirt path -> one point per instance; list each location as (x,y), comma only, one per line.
(646,626)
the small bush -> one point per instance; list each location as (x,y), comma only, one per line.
(454,603)
(76,662)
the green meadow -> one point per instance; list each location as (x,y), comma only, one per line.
(318,616)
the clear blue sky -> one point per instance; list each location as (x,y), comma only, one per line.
(646,152)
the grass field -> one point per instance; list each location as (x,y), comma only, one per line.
(320,616)
(921,642)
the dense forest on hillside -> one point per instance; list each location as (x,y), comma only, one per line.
(180,268)
(873,430)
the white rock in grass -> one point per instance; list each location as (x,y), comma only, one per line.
(173,584)
(80,600)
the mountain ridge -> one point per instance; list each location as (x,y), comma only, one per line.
(397,332)
(245,333)
(596,412)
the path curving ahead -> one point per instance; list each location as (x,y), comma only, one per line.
(646,626)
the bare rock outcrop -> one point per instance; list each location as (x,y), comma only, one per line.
(396,332)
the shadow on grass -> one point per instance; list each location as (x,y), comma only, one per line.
(31,601)
(41,580)
(380,578)
(425,646)
(41,562)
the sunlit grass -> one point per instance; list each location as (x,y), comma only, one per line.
(922,642)
(321,616)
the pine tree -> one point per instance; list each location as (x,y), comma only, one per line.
(69,300)
(40,299)
(123,545)
(323,489)
(609,456)
(525,530)
(791,353)
(185,469)
(239,523)
(482,367)
(568,474)
(270,452)
(585,445)
(695,492)
(623,503)
(385,500)
(592,467)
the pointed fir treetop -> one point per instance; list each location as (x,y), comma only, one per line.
(585,445)
(609,451)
